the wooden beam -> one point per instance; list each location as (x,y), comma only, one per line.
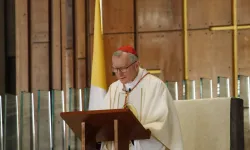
(67,47)
(185,40)
(235,50)
(230,27)
(80,43)
(80,28)
(22,50)
(56,45)
(154,71)
(39,45)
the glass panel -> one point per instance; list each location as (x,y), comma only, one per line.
(86,98)
(75,104)
(224,87)
(58,125)
(173,89)
(44,121)
(1,123)
(189,88)
(244,89)
(10,122)
(75,99)
(27,130)
(206,88)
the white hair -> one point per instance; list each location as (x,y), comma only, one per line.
(132,57)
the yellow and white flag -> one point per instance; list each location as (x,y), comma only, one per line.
(98,87)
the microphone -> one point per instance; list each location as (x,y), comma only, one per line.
(129,89)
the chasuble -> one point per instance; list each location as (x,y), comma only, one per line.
(151,102)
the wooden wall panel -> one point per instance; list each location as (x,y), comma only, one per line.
(39,19)
(205,13)
(2,49)
(244,52)
(210,55)
(69,69)
(243,11)
(80,43)
(80,28)
(150,46)
(81,74)
(22,54)
(67,24)
(158,15)
(91,15)
(111,43)
(56,45)
(40,67)
(39,45)
(118,16)
(162,51)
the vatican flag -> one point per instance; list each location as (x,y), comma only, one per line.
(98,87)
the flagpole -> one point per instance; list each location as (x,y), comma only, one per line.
(101,14)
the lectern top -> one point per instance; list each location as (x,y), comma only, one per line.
(102,122)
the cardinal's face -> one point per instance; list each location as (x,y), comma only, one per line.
(124,69)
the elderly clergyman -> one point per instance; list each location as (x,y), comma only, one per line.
(148,98)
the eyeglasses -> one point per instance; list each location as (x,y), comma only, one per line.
(123,69)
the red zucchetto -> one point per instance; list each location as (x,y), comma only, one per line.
(128,49)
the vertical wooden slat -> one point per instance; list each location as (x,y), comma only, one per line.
(40,67)
(67,24)
(67,47)
(2,49)
(22,56)
(68,54)
(80,43)
(63,39)
(80,31)
(56,45)
(63,44)
(39,45)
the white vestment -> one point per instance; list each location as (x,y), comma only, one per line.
(152,104)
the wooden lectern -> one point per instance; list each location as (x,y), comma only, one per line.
(118,125)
